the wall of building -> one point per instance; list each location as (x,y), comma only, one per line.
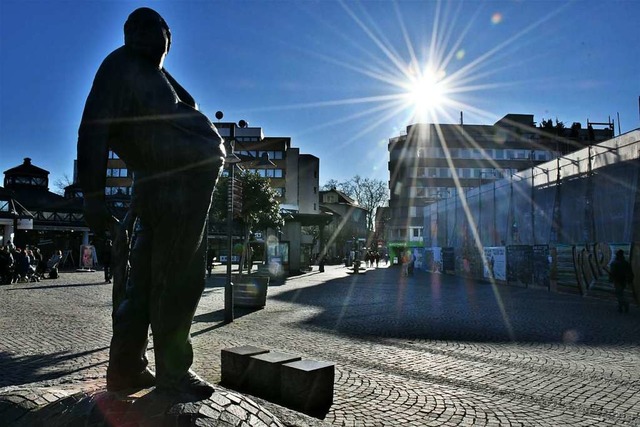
(292,184)
(309,183)
(435,161)
(581,207)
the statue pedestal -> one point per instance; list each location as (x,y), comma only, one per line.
(53,407)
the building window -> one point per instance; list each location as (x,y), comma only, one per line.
(117,172)
(417,232)
(113,155)
(521,154)
(117,191)
(268,173)
(314,207)
(4,206)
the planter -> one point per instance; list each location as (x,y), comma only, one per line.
(249,290)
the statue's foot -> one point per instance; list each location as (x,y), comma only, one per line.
(120,382)
(190,384)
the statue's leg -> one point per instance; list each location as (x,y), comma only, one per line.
(178,265)
(127,355)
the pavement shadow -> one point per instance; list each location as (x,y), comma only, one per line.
(27,369)
(76,285)
(217,317)
(383,304)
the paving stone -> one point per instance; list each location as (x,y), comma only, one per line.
(416,349)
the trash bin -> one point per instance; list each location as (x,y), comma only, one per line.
(250,290)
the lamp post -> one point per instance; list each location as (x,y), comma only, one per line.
(232,159)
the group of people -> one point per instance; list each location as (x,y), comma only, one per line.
(372,257)
(26,265)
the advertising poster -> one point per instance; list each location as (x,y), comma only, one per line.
(565,270)
(541,265)
(519,264)
(496,266)
(448,259)
(88,259)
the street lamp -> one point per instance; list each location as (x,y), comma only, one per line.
(232,159)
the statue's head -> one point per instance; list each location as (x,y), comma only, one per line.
(148,34)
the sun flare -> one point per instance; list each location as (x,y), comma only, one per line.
(425,92)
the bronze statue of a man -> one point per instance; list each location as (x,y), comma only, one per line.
(138,110)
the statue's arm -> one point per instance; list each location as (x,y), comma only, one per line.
(92,154)
(180,91)
(159,95)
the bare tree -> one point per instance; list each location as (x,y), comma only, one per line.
(61,183)
(369,193)
(331,184)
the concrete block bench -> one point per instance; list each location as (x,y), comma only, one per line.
(264,374)
(303,385)
(235,365)
(307,386)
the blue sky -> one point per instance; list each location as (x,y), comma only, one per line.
(332,75)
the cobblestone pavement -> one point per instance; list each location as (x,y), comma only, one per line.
(417,351)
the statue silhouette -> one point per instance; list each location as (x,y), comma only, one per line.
(141,113)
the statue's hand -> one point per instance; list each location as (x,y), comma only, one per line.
(98,216)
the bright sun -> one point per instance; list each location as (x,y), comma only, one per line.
(425,92)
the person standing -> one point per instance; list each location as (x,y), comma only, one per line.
(106,261)
(620,274)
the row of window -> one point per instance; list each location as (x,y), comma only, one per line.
(273,155)
(402,233)
(434,192)
(485,173)
(117,172)
(268,173)
(485,153)
(28,180)
(126,191)
(113,191)
(58,216)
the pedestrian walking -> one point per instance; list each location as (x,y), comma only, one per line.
(404,259)
(6,265)
(620,274)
